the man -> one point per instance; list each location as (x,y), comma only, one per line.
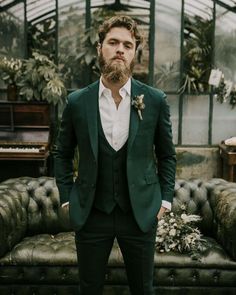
(126,163)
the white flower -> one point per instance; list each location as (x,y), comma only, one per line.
(183,207)
(161,222)
(190,218)
(160,240)
(138,103)
(161,231)
(172,232)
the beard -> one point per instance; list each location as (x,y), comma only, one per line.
(115,72)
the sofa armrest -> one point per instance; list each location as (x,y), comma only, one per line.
(225,217)
(13,216)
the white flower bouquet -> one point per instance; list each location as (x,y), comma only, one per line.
(179,233)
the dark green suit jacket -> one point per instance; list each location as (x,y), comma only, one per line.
(150,157)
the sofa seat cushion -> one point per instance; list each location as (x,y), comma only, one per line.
(50,259)
(59,249)
(213,256)
(43,249)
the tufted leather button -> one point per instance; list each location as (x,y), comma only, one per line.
(106,276)
(42,276)
(48,193)
(55,207)
(195,276)
(172,275)
(216,276)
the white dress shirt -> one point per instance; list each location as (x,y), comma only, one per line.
(115,121)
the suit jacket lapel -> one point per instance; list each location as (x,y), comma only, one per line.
(92,116)
(136,89)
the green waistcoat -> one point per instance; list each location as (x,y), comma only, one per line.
(112,186)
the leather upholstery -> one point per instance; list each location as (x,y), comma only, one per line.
(38,253)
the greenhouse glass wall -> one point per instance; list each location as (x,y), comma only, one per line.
(185,41)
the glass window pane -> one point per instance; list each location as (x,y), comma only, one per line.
(198,36)
(12,41)
(224,122)
(195,119)
(167,44)
(173,101)
(224,118)
(225,42)
(71,28)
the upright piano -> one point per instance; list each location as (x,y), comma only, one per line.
(25,137)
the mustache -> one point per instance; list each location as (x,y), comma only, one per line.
(115,72)
(118,57)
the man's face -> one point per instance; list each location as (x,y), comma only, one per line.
(116,55)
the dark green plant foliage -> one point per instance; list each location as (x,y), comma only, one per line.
(42,38)
(10,34)
(81,66)
(198,36)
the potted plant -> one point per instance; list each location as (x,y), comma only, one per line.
(40,80)
(10,73)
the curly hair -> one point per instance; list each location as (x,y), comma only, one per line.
(120,22)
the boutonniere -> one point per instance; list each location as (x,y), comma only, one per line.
(138,103)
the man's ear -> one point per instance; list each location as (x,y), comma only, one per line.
(99,46)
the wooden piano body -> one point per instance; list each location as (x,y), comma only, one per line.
(25,132)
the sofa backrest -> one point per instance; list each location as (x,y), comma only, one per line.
(44,215)
(13,215)
(198,197)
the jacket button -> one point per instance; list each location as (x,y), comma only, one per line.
(93,185)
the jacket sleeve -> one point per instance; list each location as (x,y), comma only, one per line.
(165,152)
(64,154)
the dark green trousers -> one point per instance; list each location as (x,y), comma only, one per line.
(94,243)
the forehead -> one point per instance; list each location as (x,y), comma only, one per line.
(120,33)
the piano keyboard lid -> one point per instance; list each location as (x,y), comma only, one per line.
(27,136)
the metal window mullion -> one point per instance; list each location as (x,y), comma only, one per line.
(211,97)
(181,96)
(151,41)
(56,32)
(26,52)
(88,14)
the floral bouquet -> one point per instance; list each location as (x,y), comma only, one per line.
(179,233)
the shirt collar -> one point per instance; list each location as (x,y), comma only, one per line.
(126,88)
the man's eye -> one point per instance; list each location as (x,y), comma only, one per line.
(112,42)
(128,46)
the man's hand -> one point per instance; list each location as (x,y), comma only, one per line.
(161,212)
(63,215)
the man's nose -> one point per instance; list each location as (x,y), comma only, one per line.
(120,48)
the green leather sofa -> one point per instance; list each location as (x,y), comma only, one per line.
(38,256)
